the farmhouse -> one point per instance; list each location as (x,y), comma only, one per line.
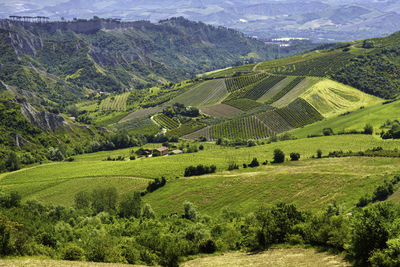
(148,152)
(162,151)
(177,151)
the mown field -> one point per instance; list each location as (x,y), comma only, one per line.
(311,184)
(58,182)
(276,257)
(356,120)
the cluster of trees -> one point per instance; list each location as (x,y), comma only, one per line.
(392,133)
(381,193)
(180,109)
(199,170)
(100,228)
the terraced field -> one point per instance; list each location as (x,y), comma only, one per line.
(302,87)
(287,89)
(166,122)
(244,128)
(206,93)
(186,128)
(243,104)
(299,113)
(141,113)
(234,84)
(275,89)
(117,103)
(220,110)
(330,98)
(275,122)
(258,89)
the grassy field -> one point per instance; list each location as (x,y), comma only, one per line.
(58,182)
(206,93)
(330,98)
(276,257)
(356,120)
(311,184)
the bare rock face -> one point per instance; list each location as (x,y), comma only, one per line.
(48,122)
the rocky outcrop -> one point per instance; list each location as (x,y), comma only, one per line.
(48,122)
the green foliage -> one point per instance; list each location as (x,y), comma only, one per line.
(254,163)
(104,199)
(131,206)
(73,252)
(327,131)
(368,129)
(199,170)
(319,153)
(166,122)
(82,200)
(279,156)
(294,156)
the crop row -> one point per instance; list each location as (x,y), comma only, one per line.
(166,122)
(299,113)
(115,102)
(258,89)
(244,128)
(186,128)
(237,83)
(319,67)
(287,89)
(205,132)
(243,104)
(274,121)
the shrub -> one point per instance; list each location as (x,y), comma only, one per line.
(327,131)
(207,246)
(82,200)
(148,212)
(131,206)
(72,252)
(157,183)
(13,163)
(368,129)
(319,153)
(201,147)
(294,156)
(254,163)
(233,166)
(279,156)
(191,212)
(199,170)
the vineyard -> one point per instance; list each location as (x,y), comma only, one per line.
(299,113)
(258,89)
(141,113)
(287,89)
(205,132)
(166,122)
(243,104)
(116,103)
(206,93)
(274,121)
(138,126)
(238,83)
(186,128)
(220,110)
(319,67)
(244,128)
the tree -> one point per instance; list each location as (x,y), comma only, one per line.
(368,129)
(279,156)
(148,212)
(191,212)
(319,153)
(82,200)
(104,199)
(254,163)
(131,206)
(294,156)
(13,163)
(327,131)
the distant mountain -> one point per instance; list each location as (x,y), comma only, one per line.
(320,20)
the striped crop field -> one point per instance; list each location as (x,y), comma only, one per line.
(186,128)
(117,102)
(238,83)
(141,113)
(166,122)
(274,121)
(299,113)
(258,89)
(243,104)
(244,128)
(205,132)
(287,89)
(206,93)
(220,110)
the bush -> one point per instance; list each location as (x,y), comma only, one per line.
(279,156)
(201,147)
(157,183)
(233,166)
(254,163)
(131,206)
(368,129)
(319,153)
(327,131)
(207,246)
(72,252)
(13,163)
(82,200)
(191,212)
(294,156)
(199,170)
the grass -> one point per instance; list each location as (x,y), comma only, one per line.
(356,120)
(38,182)
(311,184)
(330,98)
(206,93)
(276,257)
